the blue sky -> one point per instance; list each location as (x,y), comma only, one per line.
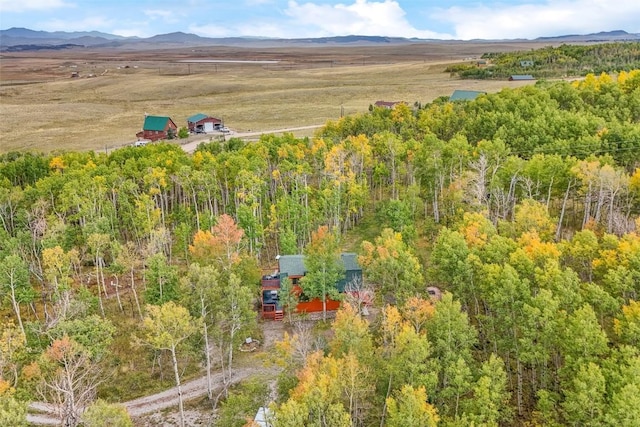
(455,19)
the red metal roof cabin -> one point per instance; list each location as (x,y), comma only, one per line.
(292,267)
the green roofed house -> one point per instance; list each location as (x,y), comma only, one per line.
(155,128)
(465,95)
(292,267)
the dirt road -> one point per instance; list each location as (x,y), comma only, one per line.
(190,146)
(41,413)
(46,414)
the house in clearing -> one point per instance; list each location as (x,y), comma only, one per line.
(521,77)
(465,95)
(156,128)
(200,123)
(292,267)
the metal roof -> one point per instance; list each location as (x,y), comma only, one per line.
(465,95)
(293,265)
(350,261)
(196,118)
(522,77)
(155,123)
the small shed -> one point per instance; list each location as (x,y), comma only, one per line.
(526,63)
(434,293)
(521,77)
(156,128)
(465,95)
(203,123)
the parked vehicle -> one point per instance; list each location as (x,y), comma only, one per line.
(225,129)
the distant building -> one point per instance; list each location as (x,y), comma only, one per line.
(390,105)
(521,77)
(156,128)
(202,123)
(465,95)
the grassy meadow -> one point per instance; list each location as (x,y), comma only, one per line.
(106,111)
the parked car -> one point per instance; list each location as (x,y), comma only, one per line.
(225,129)
(141,142)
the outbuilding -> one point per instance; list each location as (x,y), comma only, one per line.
(199,123)
(521,77)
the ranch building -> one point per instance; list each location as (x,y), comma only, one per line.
(201,123)
(156,128)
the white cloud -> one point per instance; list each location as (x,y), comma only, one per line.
(91,23)
(258,2)
(211,30)
(166,15)
(545,19)
(362,17)
(31,5)
(133,31)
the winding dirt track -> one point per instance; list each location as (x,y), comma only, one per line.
(190,147)
(46,414)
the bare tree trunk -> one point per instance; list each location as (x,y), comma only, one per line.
(177,375)
(117,286)
(600,203)
(587,207)
(384,406)
(207,353)
(562,211)
(436,209)
(135,294)
(99,288)
(16,308)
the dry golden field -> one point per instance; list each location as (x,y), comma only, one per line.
(43,109)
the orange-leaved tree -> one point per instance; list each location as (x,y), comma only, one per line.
(219,246)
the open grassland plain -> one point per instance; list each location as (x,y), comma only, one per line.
(42,108)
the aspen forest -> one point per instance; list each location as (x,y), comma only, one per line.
(125,273)
(555,61)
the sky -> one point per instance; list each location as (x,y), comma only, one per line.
(454,19)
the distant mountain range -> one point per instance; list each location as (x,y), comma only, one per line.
(21,39)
